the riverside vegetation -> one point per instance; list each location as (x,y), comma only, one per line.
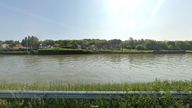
(140,101)
(62,86)
(32,45)
(165,101)
(117,45)
(61,51)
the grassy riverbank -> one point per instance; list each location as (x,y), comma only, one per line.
(13,52)
(54,51)
(140,101)
(84,51)
(63,51)
(59,85)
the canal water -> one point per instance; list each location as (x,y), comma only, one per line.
(99,68)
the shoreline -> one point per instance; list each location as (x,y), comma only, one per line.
(80,51)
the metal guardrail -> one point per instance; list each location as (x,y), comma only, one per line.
(12,94)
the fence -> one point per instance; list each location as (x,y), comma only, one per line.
(12,94)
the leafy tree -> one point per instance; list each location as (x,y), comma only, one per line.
(151,45)
(101,44)
(66,43)
(140,47)
(189,43)
(182,45)
(129,44)
(161,45)
(30,41)
(171,45)
(48,42)
(115,44)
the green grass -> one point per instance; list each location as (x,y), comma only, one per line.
(59,49)
(140,101)
(134,50)
(59,85)
(64,50)
(124,50)
(165,101)
(55,51)
(189,51)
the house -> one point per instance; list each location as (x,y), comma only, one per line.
(78,46)
(41,46)
(56,46)
(5,46)
(19,46)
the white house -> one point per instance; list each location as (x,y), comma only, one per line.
(5,46)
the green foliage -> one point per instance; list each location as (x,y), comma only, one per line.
(114,44)
(140,101)
(129,44)
(182,45)
(59,85)
(139,47)
(151,44)
(48,42)
(30,41)
(101,44)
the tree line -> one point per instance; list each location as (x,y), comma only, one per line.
(102,44)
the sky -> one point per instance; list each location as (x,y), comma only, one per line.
(103,19)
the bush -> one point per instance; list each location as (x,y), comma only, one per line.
(139,47)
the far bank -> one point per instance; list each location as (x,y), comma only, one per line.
(64,51)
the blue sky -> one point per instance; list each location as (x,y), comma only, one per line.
(105,19)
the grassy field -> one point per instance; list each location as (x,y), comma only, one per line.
(165,101)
